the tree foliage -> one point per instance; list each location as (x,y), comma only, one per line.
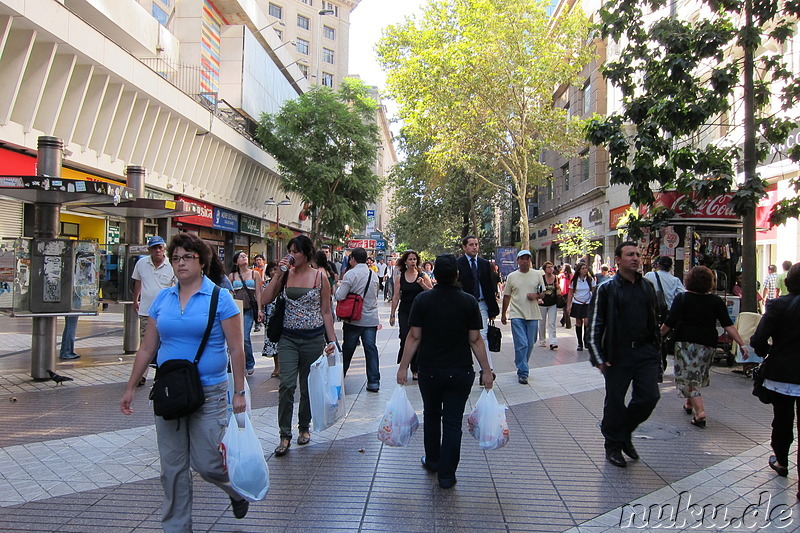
(432,209)
(575,240)
(681,85)
(477,78)
(326,145)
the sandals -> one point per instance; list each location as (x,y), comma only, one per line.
(699,422)
(780,470)
(251,371)
(275,374)
(304,438)
(554,346)
(283,447)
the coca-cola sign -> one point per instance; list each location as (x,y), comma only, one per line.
(717,207)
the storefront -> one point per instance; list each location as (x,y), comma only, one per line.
(250,228)
(202,224)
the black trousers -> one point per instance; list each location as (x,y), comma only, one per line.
(639,368)
(783,409)
(444,395)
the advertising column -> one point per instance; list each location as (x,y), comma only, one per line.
(228,222)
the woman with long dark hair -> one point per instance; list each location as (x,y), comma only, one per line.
(407,285)
(581,289)
(245,281)
(307,324)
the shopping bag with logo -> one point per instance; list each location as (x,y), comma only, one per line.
(326,390)
(399,421)
(487,422)
(244,458)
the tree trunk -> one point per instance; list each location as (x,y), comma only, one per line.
(524,230)
(749,222)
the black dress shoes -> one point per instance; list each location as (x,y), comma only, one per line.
(240,508)
(430,467)
(447,483)
(629,450)
(615,458)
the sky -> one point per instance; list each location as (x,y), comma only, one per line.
(366,24)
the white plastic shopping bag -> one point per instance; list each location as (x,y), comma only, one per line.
(399,421)
(231,390)
(244,458)
(326,390)
(487,422)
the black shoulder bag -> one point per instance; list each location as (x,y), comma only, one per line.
(662,310)
(275,323)
(177,390)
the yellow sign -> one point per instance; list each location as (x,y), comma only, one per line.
(78,175)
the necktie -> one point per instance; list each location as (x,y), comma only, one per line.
(476,290)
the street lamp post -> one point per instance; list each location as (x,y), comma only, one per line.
(278,205)
(322,13)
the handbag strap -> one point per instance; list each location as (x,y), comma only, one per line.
(250,296)
(660,286)
(212,313)
(366,287)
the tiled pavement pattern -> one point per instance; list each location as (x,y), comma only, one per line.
(70,462)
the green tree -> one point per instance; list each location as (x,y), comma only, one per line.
(432,209)
(681,80)
(477,78)
(576,241)
(326,145)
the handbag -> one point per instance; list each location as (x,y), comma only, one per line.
(177,390)
(494,337)
(353,304)
(250,300)
(759,391)
(275,322)
(661,301)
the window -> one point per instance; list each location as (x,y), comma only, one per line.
(308,2)
(329,33)
(279,33)
(275,11)
(327,79)
(585,165)
(303,22)
(303,68)
(587,98)
(565,173)
(302,46)
(160,15)
(327,55)
(70,229)
(328,5)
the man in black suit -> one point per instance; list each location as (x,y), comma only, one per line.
(475,275)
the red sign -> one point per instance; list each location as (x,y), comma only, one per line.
(204,213)
(361,243)
(616,214)
(717,207)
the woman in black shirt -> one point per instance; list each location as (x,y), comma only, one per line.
(445,325)
(694,314)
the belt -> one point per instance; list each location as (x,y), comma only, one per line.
(637,344)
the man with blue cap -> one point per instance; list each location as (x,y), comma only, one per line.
(150,275)
(522,291)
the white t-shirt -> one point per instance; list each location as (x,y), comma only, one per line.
(153,280)
(518,285)
(583,290)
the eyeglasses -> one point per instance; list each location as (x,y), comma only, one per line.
(185,258)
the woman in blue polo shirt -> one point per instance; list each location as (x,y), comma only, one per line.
(178,320)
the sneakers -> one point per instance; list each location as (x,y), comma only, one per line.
(240,507)
(542,343)
(69,357)
(554,346)
(522,381)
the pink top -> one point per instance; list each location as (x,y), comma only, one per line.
(564,281)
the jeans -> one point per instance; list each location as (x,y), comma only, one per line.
(295,356)
(547,325)
(524,334)
(783,409)
(249,360)
(192,440)
(639,367)
(367,335)
(444,395)
(68,336)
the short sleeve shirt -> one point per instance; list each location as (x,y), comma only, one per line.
(446,315)
(518,285)
(153,279)
(181,331)
(698,315)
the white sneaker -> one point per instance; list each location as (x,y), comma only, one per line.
(542,344)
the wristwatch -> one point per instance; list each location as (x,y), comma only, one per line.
(239,392)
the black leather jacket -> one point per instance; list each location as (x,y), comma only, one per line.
(605,324)
(779,323)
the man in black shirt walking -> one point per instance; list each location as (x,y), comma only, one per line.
(623,343)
